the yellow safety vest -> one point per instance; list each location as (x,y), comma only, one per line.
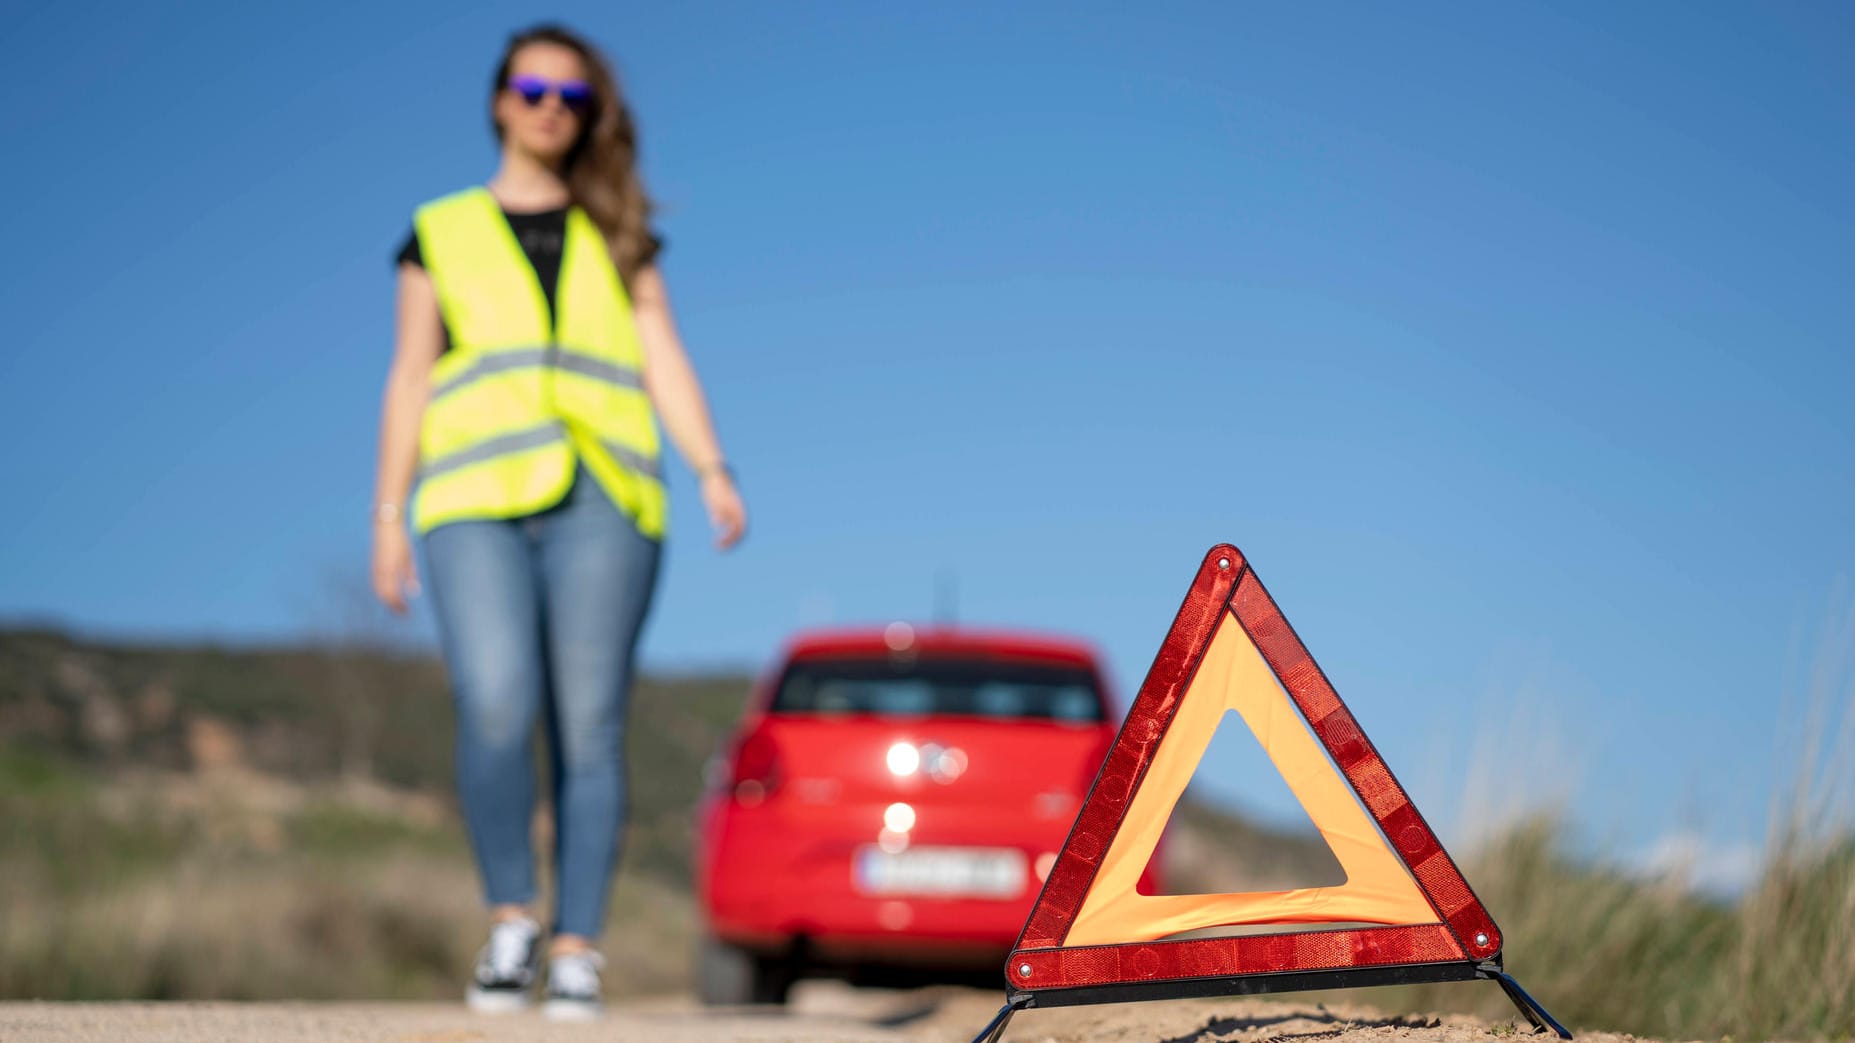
(518,399)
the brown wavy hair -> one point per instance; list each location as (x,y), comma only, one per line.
(601,169)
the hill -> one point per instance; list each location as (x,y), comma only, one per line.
(279,822)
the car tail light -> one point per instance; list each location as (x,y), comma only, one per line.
(756,768)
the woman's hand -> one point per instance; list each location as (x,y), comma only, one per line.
(396,576)
(726,511)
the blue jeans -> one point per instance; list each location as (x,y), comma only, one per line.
(539,617)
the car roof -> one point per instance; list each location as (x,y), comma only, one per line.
(940,640)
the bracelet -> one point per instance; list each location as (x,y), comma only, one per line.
(721,466)
(386,512)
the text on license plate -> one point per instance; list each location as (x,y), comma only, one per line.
(982,872)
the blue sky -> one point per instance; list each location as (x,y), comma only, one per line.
(1512,342)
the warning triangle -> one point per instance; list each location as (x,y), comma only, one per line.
(1091,936)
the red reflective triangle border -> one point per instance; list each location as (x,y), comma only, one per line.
(1226,583)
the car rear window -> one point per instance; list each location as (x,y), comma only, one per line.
(922,687)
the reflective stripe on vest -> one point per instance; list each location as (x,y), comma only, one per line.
(503,361)
(519,400)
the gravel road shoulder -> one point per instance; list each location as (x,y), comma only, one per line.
(820,1013)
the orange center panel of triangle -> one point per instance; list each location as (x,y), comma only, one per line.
(1408,914)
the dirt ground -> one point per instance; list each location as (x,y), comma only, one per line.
(819,1013)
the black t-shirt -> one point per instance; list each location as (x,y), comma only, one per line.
(543,235)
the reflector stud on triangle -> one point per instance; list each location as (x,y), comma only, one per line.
(1092,938)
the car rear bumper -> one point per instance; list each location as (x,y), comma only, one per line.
(766,891)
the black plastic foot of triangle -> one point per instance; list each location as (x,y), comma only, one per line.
(1536,1014)
(995,1029)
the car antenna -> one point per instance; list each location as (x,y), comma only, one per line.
(947,597)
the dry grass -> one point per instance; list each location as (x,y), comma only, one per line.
(263,890)
(1604,949)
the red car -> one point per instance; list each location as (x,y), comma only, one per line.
(893,799)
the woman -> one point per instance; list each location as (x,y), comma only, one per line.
(535,351)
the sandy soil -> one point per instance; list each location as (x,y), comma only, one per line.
(819,1013)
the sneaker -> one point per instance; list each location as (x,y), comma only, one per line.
(573,986)
(506,968)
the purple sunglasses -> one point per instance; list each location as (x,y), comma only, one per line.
(574,94)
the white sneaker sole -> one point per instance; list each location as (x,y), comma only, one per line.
(572,1010)
(485,1001)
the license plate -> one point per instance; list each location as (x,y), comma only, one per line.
(945,871)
